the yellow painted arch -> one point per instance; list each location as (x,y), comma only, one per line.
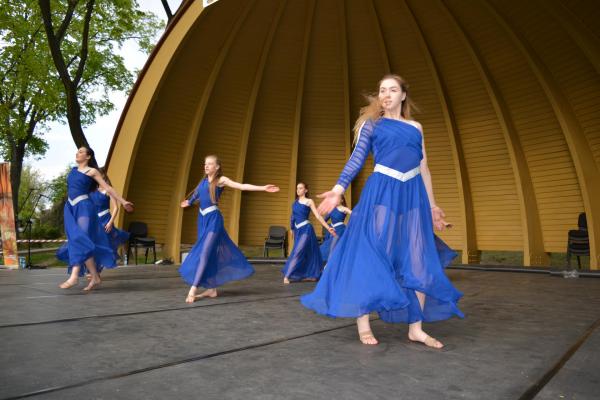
(273,87)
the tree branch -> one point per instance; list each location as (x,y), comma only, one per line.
(54,44)
(85,41)
(60,34)
(167,10)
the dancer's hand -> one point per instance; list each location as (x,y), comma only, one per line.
(128,206)
(331,231)
(185,203)
(108,227)
(437,214)
(271,188)
(330,201)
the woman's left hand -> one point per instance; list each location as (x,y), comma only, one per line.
(271,188)
(437,214)
(108,227)
(331,231)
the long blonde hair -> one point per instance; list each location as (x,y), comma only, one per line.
(215,181)
(373,110)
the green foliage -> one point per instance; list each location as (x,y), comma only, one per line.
(101,69)
(48,214)
(32,182)
(30,94)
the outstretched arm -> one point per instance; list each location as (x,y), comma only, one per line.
(192,198)
(112,192)
(363,147)
(114,210)
(313,208)
(225,181)
(345,210)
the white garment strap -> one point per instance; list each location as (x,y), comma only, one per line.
(337,224)
(103,213)
(78,199)
(208,210)
(301,224)
(401,176)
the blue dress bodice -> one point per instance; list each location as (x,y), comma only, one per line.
(100,200)
(79,183)
(337,216)
(395,144)
(202,194)
(300,212)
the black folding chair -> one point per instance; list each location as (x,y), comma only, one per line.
(578,243)
(138,238)
(277,239)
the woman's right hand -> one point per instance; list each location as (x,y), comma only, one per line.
(185,203)
(330,201)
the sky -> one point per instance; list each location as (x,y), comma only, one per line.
(61,148)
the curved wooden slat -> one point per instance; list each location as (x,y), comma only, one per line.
(533,242)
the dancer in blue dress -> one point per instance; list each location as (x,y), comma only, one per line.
(304,262)
(387,260)
(88,247)
(337,217)
(107,209)
(214,260)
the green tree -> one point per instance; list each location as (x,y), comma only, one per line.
(30,94)
(51,218)
(82,37)
(32,185)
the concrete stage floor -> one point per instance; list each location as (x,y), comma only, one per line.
(525,336)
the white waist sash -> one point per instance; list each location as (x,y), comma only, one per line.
(78,199)
(401,176)
(103,213)
(337,224)
(301,224)
(208,210)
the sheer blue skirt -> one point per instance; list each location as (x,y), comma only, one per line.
(387,253)
(116,236)
(330,242)
(305,260)
(215,259)
(85,238)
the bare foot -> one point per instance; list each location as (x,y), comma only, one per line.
(191,296)
(207,293)
(367,337)
(68,283)
(190,299)
(286,281)
(94,283)
(426,340)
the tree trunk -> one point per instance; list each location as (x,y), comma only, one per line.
(70,85)
(74,117)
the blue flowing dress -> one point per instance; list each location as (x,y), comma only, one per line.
(389,250)
(337,222)
(215,259)
(305,260)
(116,236)
(85,234)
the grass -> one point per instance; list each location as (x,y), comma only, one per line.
(508,258)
